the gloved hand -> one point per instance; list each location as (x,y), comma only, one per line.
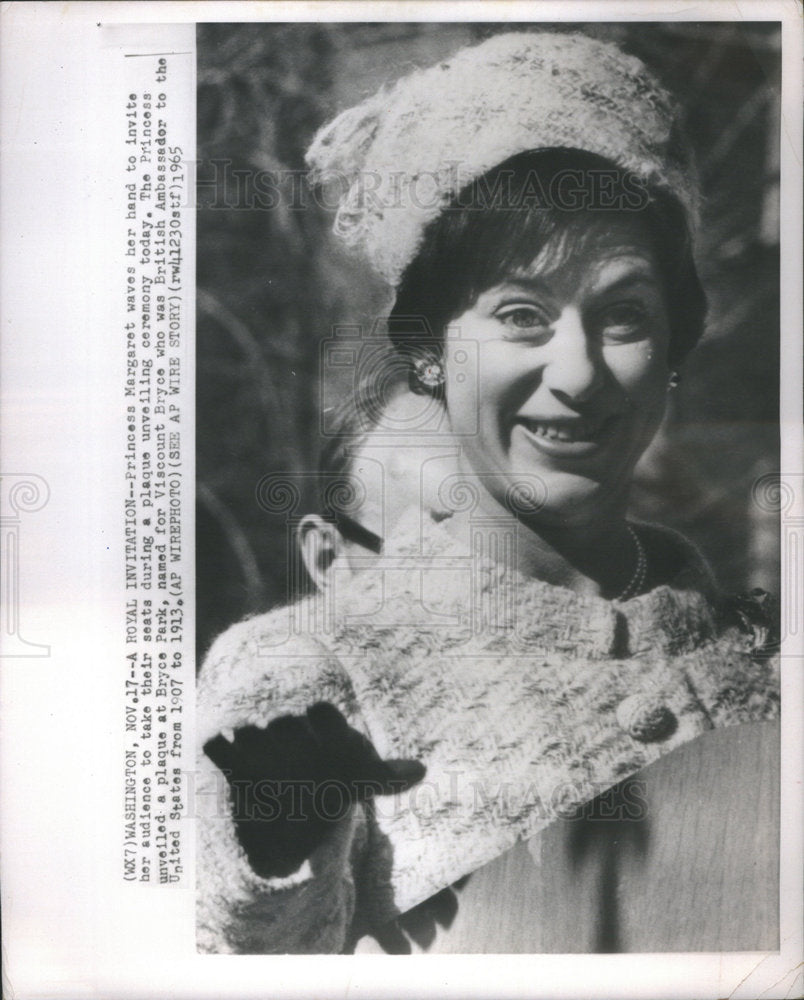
(292,780)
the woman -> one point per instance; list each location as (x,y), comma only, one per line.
(520,647)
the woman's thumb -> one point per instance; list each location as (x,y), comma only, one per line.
(399,775)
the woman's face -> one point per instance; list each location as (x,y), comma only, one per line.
(570,374)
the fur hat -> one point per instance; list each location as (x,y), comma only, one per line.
(402,155)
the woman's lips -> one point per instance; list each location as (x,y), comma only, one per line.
(570,437)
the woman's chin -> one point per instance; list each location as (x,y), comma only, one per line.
(574,489)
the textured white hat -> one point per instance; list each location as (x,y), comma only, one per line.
(405,153)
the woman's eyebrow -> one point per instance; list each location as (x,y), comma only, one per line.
(639,276)
(526,282)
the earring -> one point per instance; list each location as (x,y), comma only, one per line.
(674,380)
(429,373)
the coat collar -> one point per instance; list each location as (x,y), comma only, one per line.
(428,578)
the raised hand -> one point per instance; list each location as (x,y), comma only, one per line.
(297,776)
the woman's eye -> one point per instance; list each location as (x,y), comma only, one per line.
(524,318)
(622,319)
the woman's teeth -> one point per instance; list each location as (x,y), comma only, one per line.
(576,430)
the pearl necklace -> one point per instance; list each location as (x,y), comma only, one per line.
(637,581)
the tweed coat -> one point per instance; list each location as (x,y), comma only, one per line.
(523,700)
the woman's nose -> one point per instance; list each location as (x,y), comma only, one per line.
(573,370)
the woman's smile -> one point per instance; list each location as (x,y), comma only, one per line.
(566,437)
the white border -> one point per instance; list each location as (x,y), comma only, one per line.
(66,929)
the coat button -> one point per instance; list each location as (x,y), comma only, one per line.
(645,718)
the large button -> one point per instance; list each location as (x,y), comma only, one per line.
(645,718)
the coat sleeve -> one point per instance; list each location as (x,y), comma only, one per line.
(256,671)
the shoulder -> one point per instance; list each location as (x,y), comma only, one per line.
(680,566)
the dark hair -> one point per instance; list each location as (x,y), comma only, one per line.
(359,413)
(501,221)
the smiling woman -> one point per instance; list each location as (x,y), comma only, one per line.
(572,376)
(574,308)
(521,650)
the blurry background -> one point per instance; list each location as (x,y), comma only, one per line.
(272,284)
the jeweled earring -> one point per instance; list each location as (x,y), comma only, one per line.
(674,380)
(429,373)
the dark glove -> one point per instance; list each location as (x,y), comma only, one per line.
(292,780)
